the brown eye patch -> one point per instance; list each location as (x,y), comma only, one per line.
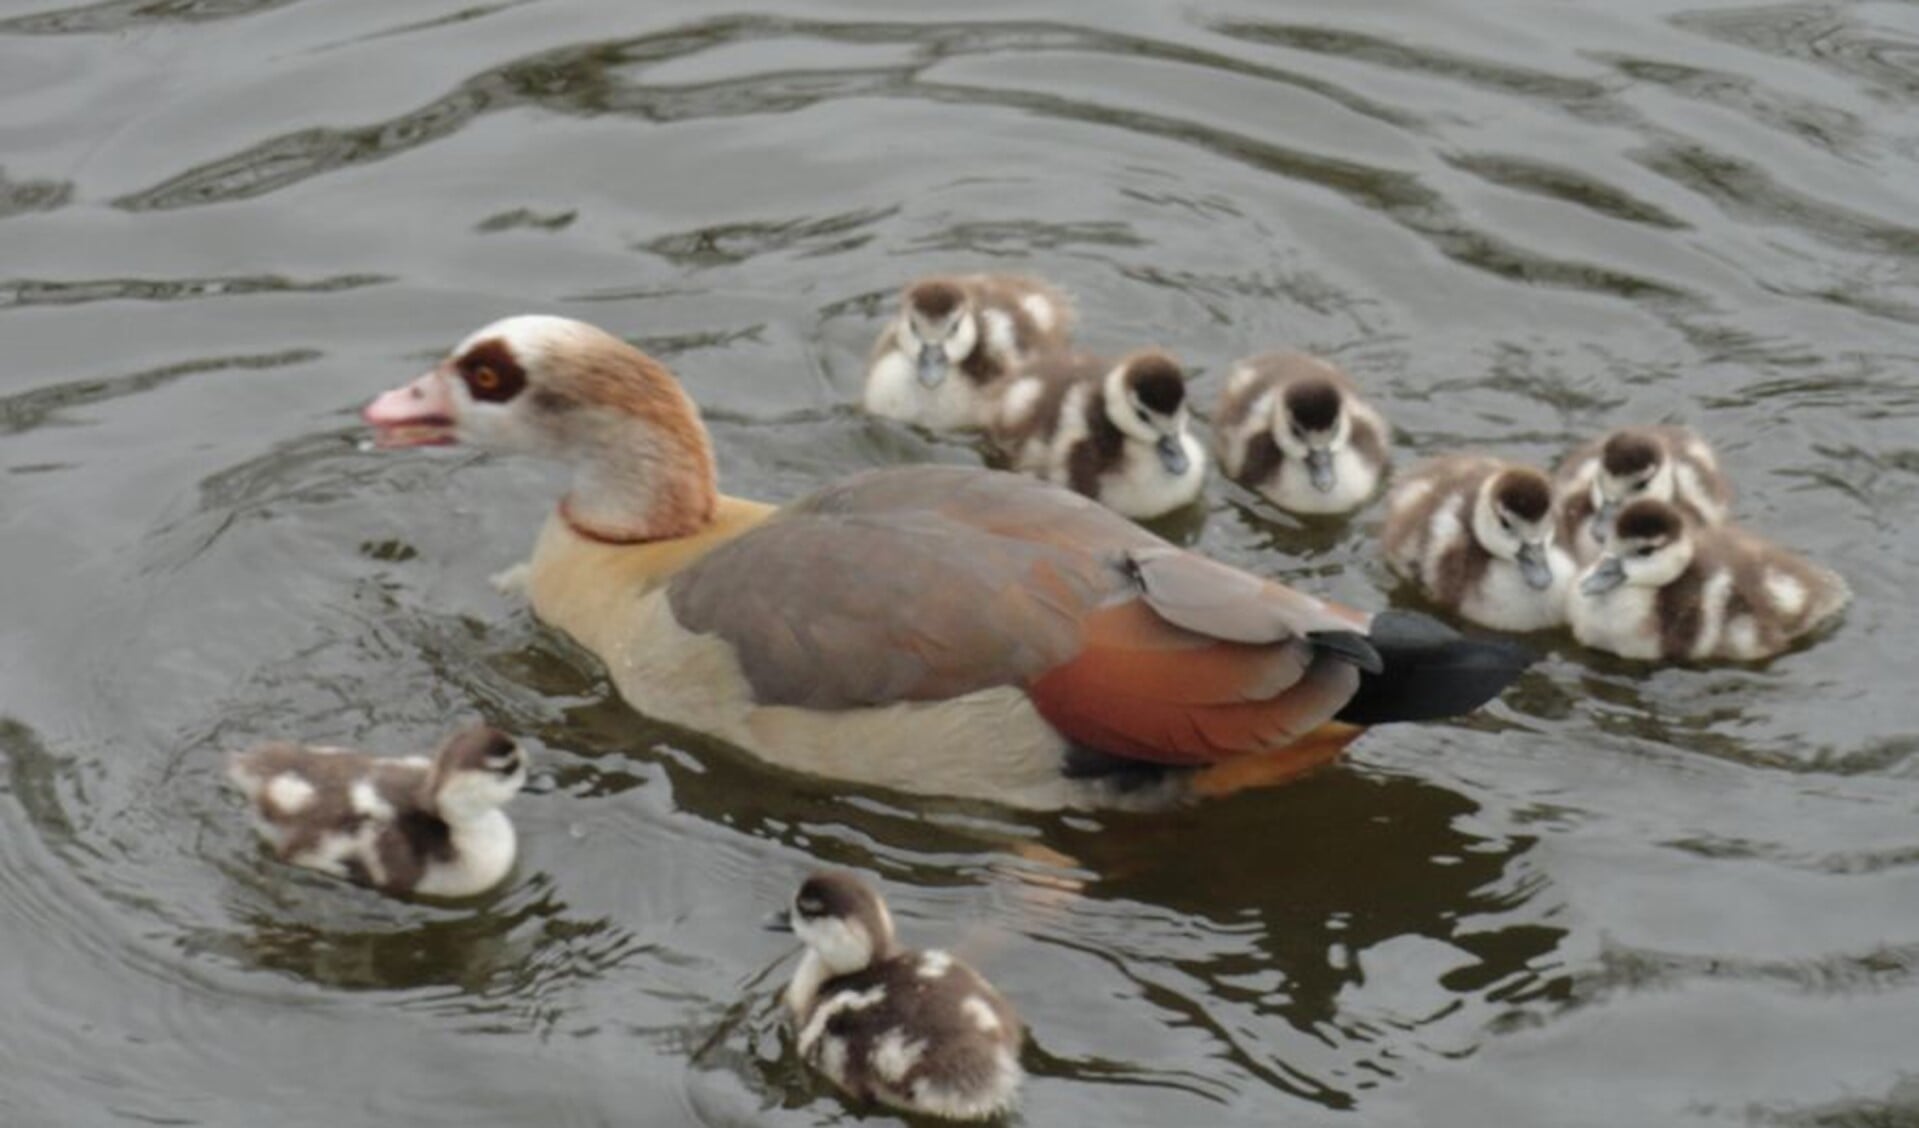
(490,372)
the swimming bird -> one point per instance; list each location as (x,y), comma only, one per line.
(919,1031)
(402,825)
(1294,428)
(1115,431)
(1671,588)
(1668,463)
(956,336)
(1478,536)
(939,630)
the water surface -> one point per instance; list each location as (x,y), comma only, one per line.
(1619,896)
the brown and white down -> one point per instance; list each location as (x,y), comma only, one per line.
(1294,428)
(919,1031)
(402,825)
(934,629)
(1115,431)
(1479,537)
(1671,588)
(956,336)
(1667,463)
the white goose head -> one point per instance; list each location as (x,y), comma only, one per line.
(563,389)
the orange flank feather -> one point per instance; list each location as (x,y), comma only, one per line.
(1146,689)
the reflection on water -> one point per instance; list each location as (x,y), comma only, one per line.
(1618,896)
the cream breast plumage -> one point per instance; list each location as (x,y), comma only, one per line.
(1116,431)
(1478,536)
(1294,428)
(954,339)
(919,1031)
(1670,588)
(403,825)
(934,629)
(1667,463)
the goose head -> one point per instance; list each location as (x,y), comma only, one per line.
(841,919)
(1632,464)
(1145,396)
(1650,545)
(937,328)
(565,390)
(1513,520)
(1310,424)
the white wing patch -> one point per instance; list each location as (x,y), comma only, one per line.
(366,800)
(289,793)
(934,964)
(1788,595)
(1019,402)
(1039,307)
(981,1012)
(832,1005)
(1002,339)
(895,1054)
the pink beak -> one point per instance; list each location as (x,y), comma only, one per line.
(419,414)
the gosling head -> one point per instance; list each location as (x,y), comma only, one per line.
(1145,396)
(1650,545)
(936,327)
(841,918)
(476,771)
(1311,424)
(1513,520)
(1632,464)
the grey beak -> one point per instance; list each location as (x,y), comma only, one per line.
(1606,575)
(781,921)
(1172,454)
(1533,567)
(1319,466)
(1602,519)
(932,366)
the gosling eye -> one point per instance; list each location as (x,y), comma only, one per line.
(1644,551)
(1506,523)
(1299,432)
(1143,417)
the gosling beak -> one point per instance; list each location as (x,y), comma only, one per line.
(1533,567)
(1604,576)
(1319,467)
(781,921)
(932,366)
(419,414)
(1172,454)
(1602,519)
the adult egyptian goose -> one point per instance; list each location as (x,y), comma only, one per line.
(917,1030)
(955,337)
(934,629)
(1116,431)
(1294,427)
(1668,463)
(1670,588)
(1479,537)
(400,824)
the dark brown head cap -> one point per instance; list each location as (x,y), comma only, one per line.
(479,748)
(1523,492)
(934,299)
(837,894)
(1649,520)
(1158,380)
(1313,403)
(1629,453)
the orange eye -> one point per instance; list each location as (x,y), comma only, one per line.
(485,379)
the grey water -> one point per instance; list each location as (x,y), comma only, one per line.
(1619,896)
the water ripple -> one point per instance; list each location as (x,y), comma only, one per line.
(41,292)
(26,410)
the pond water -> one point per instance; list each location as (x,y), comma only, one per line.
(1619,896)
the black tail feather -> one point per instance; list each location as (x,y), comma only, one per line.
(1431,671)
